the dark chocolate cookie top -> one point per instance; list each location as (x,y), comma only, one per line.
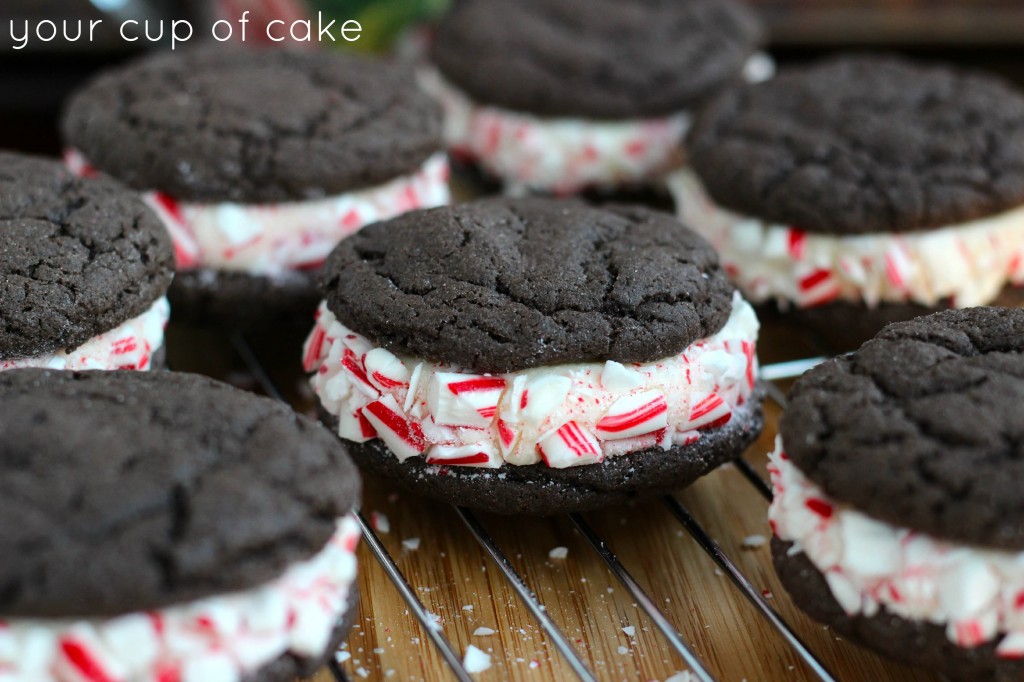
(595,58)
(227,124)
(122,491)
(500,285)
(864,144)
(77,257)
(923,427)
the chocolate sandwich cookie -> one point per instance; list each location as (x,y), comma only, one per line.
(84,271)
(862,190)
(535,356)
(259,162)
(165,526)
(897,509)
(556,96)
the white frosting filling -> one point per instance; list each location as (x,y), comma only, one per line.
(565,415)
(976,593)
(130,345)
(270,239)
(560,155)
(969,263)
(563,155)
(217,639)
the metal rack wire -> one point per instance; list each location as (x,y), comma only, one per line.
(771,375)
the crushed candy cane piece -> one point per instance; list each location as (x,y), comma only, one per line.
(475,661)
(753,541)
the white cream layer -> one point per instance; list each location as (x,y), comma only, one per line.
(559,155)
(968,263)
(218,639)
(976,593)
(270,239)
(564,415)
(130,345)
(563,155)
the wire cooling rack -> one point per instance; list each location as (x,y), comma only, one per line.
(771,375)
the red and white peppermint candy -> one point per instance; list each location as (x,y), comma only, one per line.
(210,666)
(312,628)
(467,400)
(507,437)
(708,411)
(796,243)
(313,352)
(539,397)
(354,426)
(83,658)
(969,589)
(353,366)
(845,592)
(634,415)
(616,377)
(78,164)
(402,436)
(385,371)
(973,631)
(1011,646)
(817,288)
(569,446)
(898,267)
(132,639)
(481,455)
(187,253)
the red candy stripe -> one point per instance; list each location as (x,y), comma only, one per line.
(820,507)
(481,384)
(83,661)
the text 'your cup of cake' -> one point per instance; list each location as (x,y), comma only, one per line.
(534,355)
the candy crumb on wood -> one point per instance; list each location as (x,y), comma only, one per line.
(475,661)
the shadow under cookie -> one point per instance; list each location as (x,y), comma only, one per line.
(243,302)
(844,326)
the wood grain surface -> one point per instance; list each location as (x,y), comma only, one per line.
(457,581)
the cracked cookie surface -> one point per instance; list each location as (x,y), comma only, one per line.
(500,285)
(594,58)
(923,427)
(861,144)
(126,491)
(79,257)
(217,124)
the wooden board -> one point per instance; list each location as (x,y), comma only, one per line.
(455,580)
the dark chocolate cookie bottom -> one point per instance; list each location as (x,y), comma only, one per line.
(845,326)
(288,667)
(916,643)
(243,302)
(539,490)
